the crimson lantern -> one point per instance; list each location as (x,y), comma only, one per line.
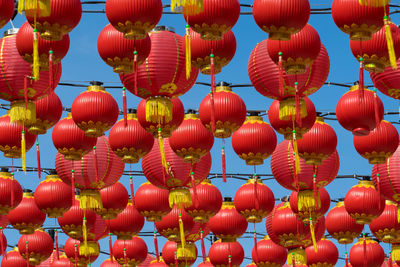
(387,82)
(35,247)
(254,141)
(267,253)
(13,259)
(71,249)
(386,227)
(170,225)
(10,192)
(122,54)
(114,199)
(53,196)
(61,261)
(48,113)
(366,250)
(110,263)
(6,11)
(326,254)
(134,18)
(228,224)
(226,254)
(169,256)
(254,200)
(130,252)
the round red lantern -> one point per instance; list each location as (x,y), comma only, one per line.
(48,113)
(359,112)
(134,19)
(169,252)
(298,53)
(13,259)
(226,254)
(228,224)
(191,141)
(281,20)
(26,217)
(386,227)
(7,11)
(95,111)
(122,54)
(229,111)
(266,253)
(205,263)
(358,21)
(53,196)
(62,17)
(318,143)
(379,145)
(109,263)
(198,230)
(71,249)
(63,261)
(364,203)
(10,192)
(169,226)
(254,141)
(128,223)
(35,247)
(205,203)
(160,262)
(366,250)
(254,200)
(341,226)
(387,82)
(326,254)
(130,252)
(374,53)
(114,199)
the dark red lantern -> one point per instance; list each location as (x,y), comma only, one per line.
(254,141)
(95,111)
(169,252)
(341,226)
(281,20)
(122,54)
(379,145)
(71,249)
(267,253)
(35,247)
(387,82)
(254,200)
(326,254)
(366,252)
(298,53)
(48,113)
(114,199)
(386,227)
(130,252)
(10,192)
(226,254)
(169,226)
(7,11)
(229,111)
(134,19)
(13,259)
(53,196)
(228,224)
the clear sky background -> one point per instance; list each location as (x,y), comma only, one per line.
(83,64)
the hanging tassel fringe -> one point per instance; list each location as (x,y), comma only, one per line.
(156,246)
(56,244)
(390,263)
(76,256)
(223,161)
(180,196)
(317,200)
(162,151)
(212,74)
(23,151)
(176,260)
(27,253)
(296,156)
(188,52)
(90,199)
(125,106)
(38,160)
(289,107)
(23,112)
(188,253)
(110,247)
(376,108)
(374,3)
(255,244)
(389,40)
(125,258)
(73,186)
(40,7)
(297,257)
(135,70)
(256,200)
(51,71)
(194,186)
(306,200)
(2,245)
(36,64)
(395,252)
(158,110)
(281,79)
(298,109)
(132,191)
(182,235)
(188,7)
(361,79)
(96,167)
(203,247)
(365,250)
(83,248)
(346,259)
(312,232)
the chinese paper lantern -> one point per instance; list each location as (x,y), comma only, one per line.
(48,113)
(191,141)
(10,192)
(130,252)
(267,253)
(170,224)
(281,20)
(206,203)
(318,143)
(296,54)
(158,263)
(372,205)
(7,11)
(319,232)
(360,115)
(366,253)
(325,255)
(387,82)
(206,263)
(122,54)
(341,226)
(386,227)
(226,254)
(109,263)
(62,261)
(95,111)
(35,247)
(13,259)
(196,232)
(254,141)
(26,217)
(254,200)
(62,17)
(128,223)
(379,145)
(228,224)
(134,18)
(71,249)
(170,258)
(53,196)
(114,199)
(374,53)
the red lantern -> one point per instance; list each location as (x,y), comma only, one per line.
(191,141)
(341,226)
(266,253)
(281,20)
(379,145)
(254,200)
(26,217)
(228,224)
(366,253)
(229,111)
(48,113)
(160,262)
(62,18)
(95,111)
(359,21)
(10,192)
(134,19)
(326,254)
(36,247)
(128,223)
(120,53)
(114,199)
(71,249)
(374,52)
(254,141)
(207,203)
(109,263)
(298,53)
(53,197)
(7,11)
(169,226)
(62,261)
(386,227)
(13,259)
(372,205)
(168,252)
(387,82)
(206,263)
(197,230)
(226,254)
(130,252)
(157,208)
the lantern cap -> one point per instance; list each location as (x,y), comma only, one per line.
(132,110)
(3,169)
(253,113)
(160,28)
(10,32)
(222,83)
(98,83)
(26,190)
(191,111)
(228,199)
(52,172)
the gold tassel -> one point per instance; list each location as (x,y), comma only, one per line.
(180,196)
(41,8)
(295,148)
(287,109)
(312,231)
(23,151)
(18,112)
(306,200)
(36,64)
(158,110)
(188,52)
(389,40)
(187,254)
(374,3)
(297,255)
(396,252)
(182,232)
(83,248)
(398,213)
(162,150)
(188,7)
(90,199)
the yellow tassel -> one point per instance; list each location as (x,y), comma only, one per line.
(187,254)
(188,7)
(158,110)
(374,3)
(396,252)
(188,53)
(23,151)
(40,7)
(299,255)
(19,114)
(180,196)
(287,108)
(182,232)
(398,213)
(36,64)
(312,231)
(296,153)
(306,200)
(162,150)
(83,248)
(90,199)
(389,40)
